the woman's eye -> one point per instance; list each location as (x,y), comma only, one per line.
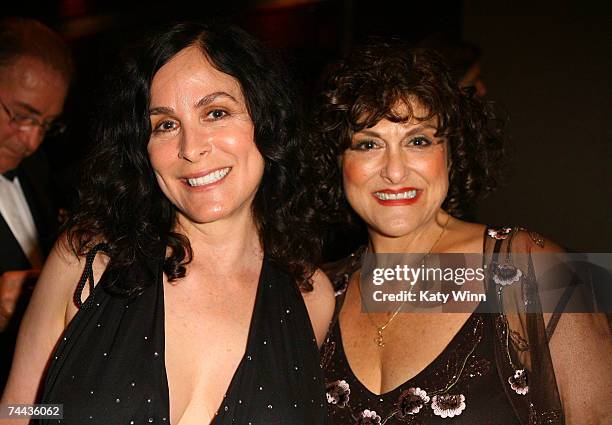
(420,141)
(166,125)
(217,114)
(364,145)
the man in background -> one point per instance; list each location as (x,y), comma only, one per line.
(35,73)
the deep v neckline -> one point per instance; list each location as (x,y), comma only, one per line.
(417,377)
(247,349)
(434,360)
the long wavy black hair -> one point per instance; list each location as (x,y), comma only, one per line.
(120,202)
(369,84)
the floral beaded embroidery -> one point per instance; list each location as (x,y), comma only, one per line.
(502,233)
(442,401)
(499,233)
(338,393)
(537,238)
(448,405)
(518,341)
(411,402)
(518,382)
(506,274)
(503,275)
(368,417)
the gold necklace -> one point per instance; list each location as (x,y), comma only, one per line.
(379,340)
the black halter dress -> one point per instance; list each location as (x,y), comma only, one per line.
(109,367)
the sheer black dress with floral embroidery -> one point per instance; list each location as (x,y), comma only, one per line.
(456,385)
(479,378)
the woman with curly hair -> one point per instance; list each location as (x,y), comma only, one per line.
(203,305)
(414,150)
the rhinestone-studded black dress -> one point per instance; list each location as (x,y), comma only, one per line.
(109,369)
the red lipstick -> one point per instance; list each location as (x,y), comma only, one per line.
(383,197)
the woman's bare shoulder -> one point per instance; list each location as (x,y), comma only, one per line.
(463,237)
(320,303)
(522,240)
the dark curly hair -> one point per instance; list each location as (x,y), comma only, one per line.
(120,202)
(374,78)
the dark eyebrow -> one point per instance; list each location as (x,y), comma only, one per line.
(417,129)
(206,100)
(367,132)
(29,107)
(422,127)
(161,110)
(211,98)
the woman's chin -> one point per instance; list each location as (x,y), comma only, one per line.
(210,215)
(393,229)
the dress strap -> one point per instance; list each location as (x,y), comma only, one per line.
(559,308)
(87,276)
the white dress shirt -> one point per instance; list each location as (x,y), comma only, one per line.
(15,211)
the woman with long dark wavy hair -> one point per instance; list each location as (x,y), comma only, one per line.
(193,247)
(414,150)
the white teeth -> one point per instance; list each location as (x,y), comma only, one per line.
(395,196)
(209,178)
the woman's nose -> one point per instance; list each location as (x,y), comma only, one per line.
(194,145)
(394,169)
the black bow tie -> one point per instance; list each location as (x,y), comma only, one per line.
(10,174)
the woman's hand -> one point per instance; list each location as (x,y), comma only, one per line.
(12,285)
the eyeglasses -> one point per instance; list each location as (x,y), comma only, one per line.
(28,122)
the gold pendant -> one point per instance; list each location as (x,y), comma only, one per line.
(379,339)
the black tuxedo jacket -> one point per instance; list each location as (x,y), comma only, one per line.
(34,178)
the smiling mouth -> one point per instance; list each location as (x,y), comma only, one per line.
(209,178)
(409,194)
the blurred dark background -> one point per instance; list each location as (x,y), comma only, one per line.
(548,65)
